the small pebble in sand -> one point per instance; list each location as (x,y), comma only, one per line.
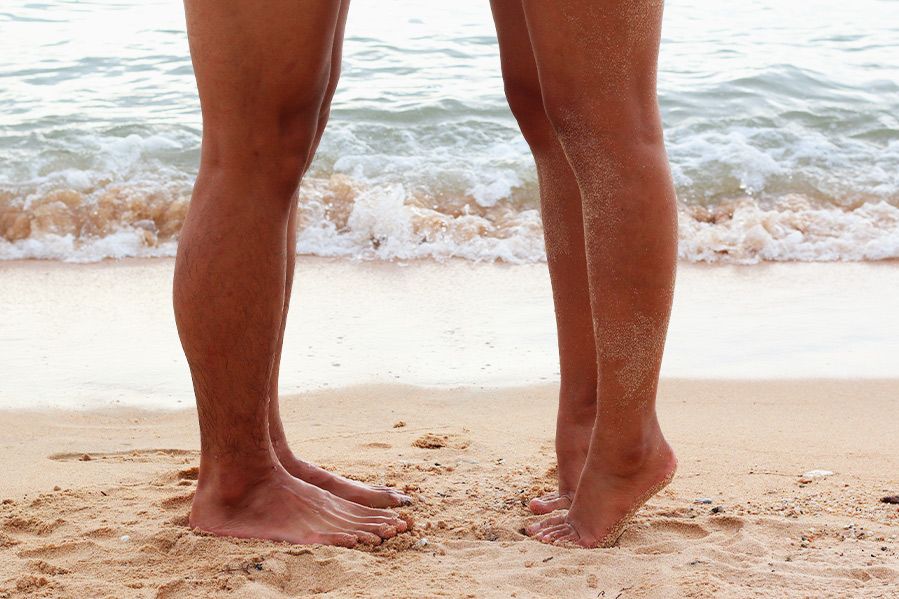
(422,543)
(85,458)
(703,501)
(894,499)
(57,488)
(717,510)
(124,538)
(399,424)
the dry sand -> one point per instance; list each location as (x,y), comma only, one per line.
(94,504)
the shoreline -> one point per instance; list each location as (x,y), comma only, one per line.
(95,503)
(72,331)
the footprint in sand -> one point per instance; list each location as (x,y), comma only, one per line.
(178,502)
(134,455)
(435,441)
(376,445)
(191,473)
(42,567)
(658,529)
(657,535)
(72,549)
(186,477)
(32,526)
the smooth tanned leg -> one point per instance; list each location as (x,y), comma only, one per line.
(355,491)
(261,71)
(597,69)
(563,226)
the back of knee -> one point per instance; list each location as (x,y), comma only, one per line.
(526,103)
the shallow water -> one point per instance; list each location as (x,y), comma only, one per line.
(780,123)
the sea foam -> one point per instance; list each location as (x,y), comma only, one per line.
(343,217)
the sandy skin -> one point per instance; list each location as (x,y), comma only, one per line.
(610,229)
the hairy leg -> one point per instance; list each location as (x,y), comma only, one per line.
(307,471)
(261,72)
(597,68)
(563,227)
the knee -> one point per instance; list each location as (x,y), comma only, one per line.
(271,142)
(617,115)
(526,103)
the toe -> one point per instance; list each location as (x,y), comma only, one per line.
(401,500)
(386,531)
(381,529)
(401,525)
(389,497)
(386,498)
(379,513)
(385,527)
(549,503)
(367,538)
(549,531)
(558,535)
(536,527)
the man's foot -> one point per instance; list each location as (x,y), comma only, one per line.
(610,492)
(351,490)
(280,507)
(572,444)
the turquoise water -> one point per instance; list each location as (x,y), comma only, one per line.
(780,122)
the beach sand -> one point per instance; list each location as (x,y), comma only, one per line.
(94,500)
(95,503)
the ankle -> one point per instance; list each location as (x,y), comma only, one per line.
(582,389)
(577,405)
(282,450)
(630,451)
(229,482)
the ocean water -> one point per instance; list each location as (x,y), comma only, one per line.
(780,119)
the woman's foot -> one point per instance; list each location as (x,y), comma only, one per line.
(557,500)
(613,486)
(280,507)
(351,490)
(572,444)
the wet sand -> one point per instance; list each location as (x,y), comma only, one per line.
(96,335)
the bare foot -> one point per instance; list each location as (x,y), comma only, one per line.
(611,490)
(351,490)
(280,507)
(572,443)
